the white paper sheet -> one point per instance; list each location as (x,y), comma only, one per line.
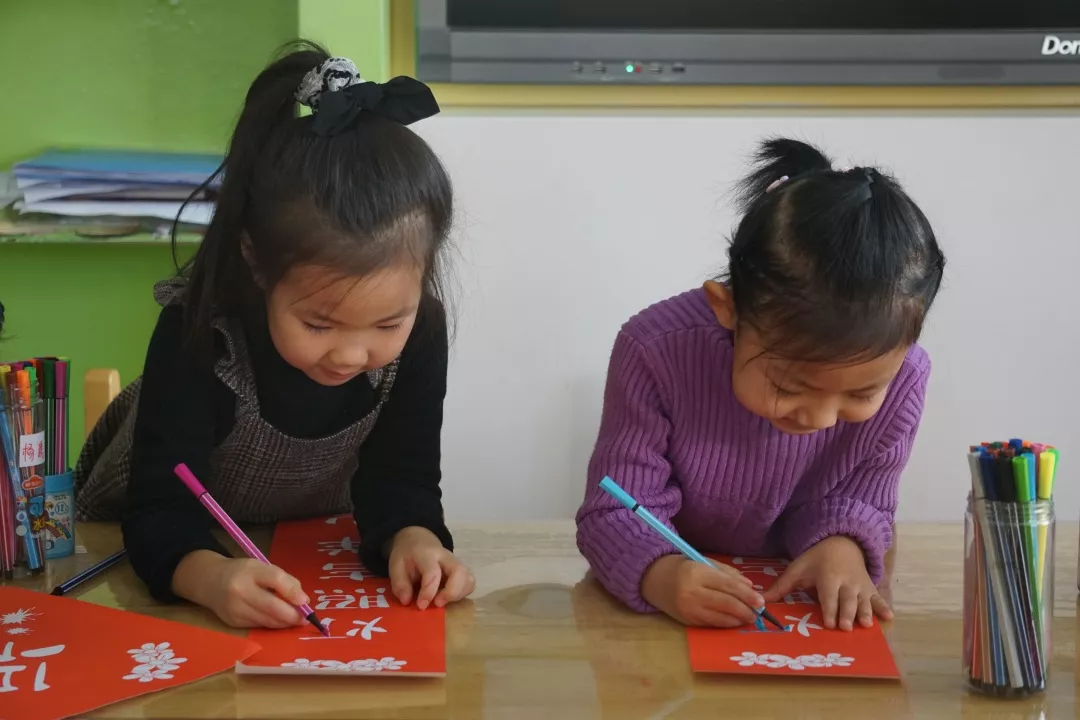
(196,213)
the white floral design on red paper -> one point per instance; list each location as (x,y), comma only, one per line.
(149,652)
(362,666)
(18,617)
(157,661)
(747,659)
(837,660)
(18,631)
(389,663)
(801,662)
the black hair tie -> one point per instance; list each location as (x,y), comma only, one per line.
(403,100)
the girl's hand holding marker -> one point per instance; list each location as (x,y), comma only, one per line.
(696,594)
(708,594)
(242,592)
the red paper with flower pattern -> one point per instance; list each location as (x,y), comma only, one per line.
(806,648)
(61,657)
(371,633)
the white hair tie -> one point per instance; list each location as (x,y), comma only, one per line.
(776,183)
(332,75)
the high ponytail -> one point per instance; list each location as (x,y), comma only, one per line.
(775,160)
(829,265)
(219,278)
(291,196)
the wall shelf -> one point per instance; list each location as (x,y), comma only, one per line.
(74,238)
(138,74)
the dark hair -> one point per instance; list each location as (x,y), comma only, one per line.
(1,320)
(354,202)
(829,265)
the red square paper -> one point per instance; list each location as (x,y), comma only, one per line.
(61,657)
(805,648)
(371,633)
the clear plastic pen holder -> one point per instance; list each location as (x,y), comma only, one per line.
(28,489)
(1008,596)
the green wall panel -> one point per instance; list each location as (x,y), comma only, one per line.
(133,73)
(162,74)
(92,303)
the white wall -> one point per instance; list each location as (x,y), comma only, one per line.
(570,224)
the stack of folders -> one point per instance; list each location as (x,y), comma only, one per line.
(119,184)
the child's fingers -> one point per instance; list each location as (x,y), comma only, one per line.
(267,603)
(430,577)
(249,616)
(707,617)
(733,587)
(788,581)
(733,573)
(848,607)
(880,607)
(401,582)
(866,610)
(260,619)
(456,585)
(725,603)
(829,597)
(285,585)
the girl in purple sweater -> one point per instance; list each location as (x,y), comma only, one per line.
(772,412)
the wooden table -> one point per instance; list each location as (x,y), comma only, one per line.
(540,639)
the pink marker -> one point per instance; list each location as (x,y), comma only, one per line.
(188,478)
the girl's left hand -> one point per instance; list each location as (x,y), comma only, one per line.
(835,567)
(421,567)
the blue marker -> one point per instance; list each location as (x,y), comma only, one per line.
(611,488)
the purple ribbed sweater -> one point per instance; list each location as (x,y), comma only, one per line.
(676,438)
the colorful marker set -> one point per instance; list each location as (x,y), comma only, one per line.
(33,445)
(1008,569)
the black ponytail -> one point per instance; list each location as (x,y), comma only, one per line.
(829,265)
(355,201)
(775,159)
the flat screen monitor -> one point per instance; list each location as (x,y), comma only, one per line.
(750,42)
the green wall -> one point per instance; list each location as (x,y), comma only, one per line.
(166,74)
